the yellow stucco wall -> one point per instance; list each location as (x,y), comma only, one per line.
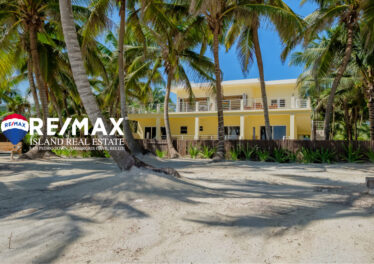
(209,124)
(252,119)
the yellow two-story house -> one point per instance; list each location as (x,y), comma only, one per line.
(290,116)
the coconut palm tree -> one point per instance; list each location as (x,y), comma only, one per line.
(141,74)
(135,148)
(219,14)
(123,159)
(177,35)
(347,14)
(97,22)
(245,26)
(319,58)
(363,57)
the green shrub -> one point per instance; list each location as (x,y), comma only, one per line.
(207,152)
(161,154)
(73,153)
(370,155)
(86,154)
(263,155)
(58,152)
(281,155)
(308,155)
(106,154)
(234,153)
(248,152)
(65,152)
(325,155)
(292,157)
(193,151)
(351,155)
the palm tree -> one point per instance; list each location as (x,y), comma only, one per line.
(123,159)
(176,35)
(96,23)
(347,13)
(141,74)
(364,61)
(18,104)
(121,69)
(219,14)
(245,28)
(319,58)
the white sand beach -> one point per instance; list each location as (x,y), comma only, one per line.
(86,211)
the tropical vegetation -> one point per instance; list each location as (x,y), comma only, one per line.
(73,54)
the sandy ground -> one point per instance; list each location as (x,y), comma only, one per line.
(86,211)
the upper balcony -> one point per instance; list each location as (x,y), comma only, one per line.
(250,104)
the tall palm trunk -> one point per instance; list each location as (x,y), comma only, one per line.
(221,127)
(56,106)
(260,66)
(123,159)
(339,75)
(38,75)
(347,120)
(172,151)
(36,152)
(134,148)
(30,76)
(371,109)
(314,130)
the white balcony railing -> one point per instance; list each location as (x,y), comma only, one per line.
(249,104)
(204,137)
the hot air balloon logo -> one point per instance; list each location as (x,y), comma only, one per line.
(15,128)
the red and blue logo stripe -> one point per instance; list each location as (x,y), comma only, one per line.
(15,128)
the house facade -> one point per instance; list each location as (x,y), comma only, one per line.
(290,116)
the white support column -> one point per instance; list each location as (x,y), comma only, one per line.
(292,126)
(242,127)
(293,102)
(178,105)
(214,103)
(197,129)
(241,105)
(197,106)
(158,108)
(308,103)
(158,129)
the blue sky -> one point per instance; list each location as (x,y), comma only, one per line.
(271,48)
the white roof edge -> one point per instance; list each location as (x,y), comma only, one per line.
(242,82)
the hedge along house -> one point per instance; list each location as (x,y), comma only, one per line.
(290,116)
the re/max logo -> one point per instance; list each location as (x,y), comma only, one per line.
(15,123)
(36,125)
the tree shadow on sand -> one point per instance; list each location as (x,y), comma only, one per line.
(54,196)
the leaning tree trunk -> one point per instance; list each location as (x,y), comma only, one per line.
(123,159)
(172,151)
(339,75)
(133,146)
(220,154)
(33,88)
(260,66)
